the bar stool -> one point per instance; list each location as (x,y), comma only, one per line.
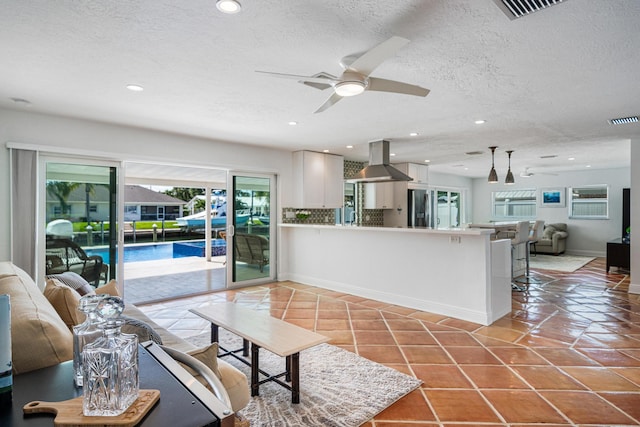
(521,237)
(535,236)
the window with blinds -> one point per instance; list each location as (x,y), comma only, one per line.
(589,202)
(514,204)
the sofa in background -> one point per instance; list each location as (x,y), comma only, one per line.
(553,240)
(40,334)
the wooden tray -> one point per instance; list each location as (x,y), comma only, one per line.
(69,412)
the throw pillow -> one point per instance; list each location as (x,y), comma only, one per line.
(110,288)
(39,337)
(548,232)
(74,281)
(207,355)
(141,329)
(65,301)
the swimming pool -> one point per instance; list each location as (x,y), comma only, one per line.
(152,252)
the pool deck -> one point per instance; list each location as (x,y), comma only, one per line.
(138,269)
(151,281)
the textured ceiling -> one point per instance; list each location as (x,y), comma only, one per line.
(546,84)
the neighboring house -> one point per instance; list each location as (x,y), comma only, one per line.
(141,204)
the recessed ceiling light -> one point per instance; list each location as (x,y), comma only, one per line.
(427,161)
(325,151)
(571,158)
(480,122)
(588,166)
(349,146)
(392,154)
(229,6)
(135,88)
(414,134)
(293,123)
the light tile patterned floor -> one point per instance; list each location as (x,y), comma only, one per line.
(567,355)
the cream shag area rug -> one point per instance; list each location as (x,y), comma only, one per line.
(564,263)
(337,387)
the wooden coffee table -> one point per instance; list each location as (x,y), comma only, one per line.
(262,330)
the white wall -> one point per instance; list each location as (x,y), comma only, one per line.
(586,237)
(129,143)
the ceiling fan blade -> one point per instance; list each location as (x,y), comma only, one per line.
(329,102)
(384,85)
(320,78)
(369,61)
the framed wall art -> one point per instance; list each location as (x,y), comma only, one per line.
(551,197)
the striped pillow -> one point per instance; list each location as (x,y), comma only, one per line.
(74,281)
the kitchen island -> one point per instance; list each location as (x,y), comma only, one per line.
(459,273)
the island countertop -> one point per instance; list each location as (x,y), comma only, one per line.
(459,273)
(361,228)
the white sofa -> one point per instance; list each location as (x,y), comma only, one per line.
(40,334)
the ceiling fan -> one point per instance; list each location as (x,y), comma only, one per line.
(355,79)
(528,174)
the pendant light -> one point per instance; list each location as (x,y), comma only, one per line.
(509,179)
(493,175)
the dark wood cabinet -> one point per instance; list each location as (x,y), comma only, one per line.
(618,254)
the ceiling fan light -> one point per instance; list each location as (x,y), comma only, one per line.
(349,88)
(228,6)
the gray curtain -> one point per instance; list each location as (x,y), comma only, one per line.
(24,185)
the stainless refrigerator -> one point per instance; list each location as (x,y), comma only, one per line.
(418,208)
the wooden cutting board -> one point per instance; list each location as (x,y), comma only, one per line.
(69,412)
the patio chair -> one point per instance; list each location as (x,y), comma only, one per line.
(65,255)
(252,249)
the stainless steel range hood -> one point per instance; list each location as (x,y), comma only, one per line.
(379,169)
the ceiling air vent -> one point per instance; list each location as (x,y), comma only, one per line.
(623,120)
(518,8)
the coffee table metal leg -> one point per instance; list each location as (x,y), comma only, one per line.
(288,368)
(245,347)
(214,333)
(295,378)
(255,370)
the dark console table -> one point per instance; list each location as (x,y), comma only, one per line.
(178,405)
(618,254)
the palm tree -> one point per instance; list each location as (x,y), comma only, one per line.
(61,191)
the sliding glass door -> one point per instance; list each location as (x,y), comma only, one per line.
(448,209)
(79,217)
(250,231)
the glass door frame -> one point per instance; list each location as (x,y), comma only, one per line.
(46,158)
(273,206)
(462,192)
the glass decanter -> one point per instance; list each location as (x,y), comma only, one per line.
(110,365)
(85,333)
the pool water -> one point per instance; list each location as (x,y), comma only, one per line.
(149,252)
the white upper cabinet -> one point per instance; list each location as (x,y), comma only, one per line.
(419,173)
(318,180)
(378,195)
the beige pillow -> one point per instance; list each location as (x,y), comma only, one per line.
(39,338)
(65,301)
(207,355)
(110,288)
